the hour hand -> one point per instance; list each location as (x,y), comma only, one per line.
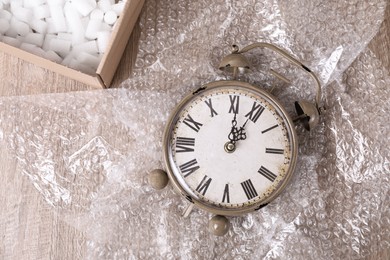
(233,135)
(237,134)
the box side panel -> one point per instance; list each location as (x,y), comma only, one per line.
(47,64)
(119,39)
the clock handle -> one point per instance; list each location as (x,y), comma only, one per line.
(307,111)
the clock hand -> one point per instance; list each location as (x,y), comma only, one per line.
(241,132)
(243,126)
(237,134)
(234,121)
(234,131)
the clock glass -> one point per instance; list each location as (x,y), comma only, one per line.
(230,147)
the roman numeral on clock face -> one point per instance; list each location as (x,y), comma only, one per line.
(249,189)
(274,151)
(255,112)
(226,197)
(192,123)
(185,144)
(269,129)
(204,185)
(189,167)
(210,105)
(267,173)
(234,104)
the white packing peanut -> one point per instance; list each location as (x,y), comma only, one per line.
(27,46)
(84,7)
(75,25)
(21,28)
(59,45)
(34,38)
(51,29)
(97,14)
(90,47)
(51,55)
(94,26)
(93,2)
(57,14)
(4,25)
(32,49)
(106,27)
(118,8)
(85,21)
(23,14)
(81,67)
(68,58)
(32,3)
(11,32)
(5,15)
(105,5)
(102,41)
(46,42)
(41,12)
(64,36)
(88,59)
(20,38)
(110,17)
(11,41)
(39,26)
(56,2)
(15,4)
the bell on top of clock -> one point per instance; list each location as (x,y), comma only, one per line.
(235,63)
(308,112)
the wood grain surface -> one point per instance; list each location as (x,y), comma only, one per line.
(29,227)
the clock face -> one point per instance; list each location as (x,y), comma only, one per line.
(230,147)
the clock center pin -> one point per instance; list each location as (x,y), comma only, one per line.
(230,147)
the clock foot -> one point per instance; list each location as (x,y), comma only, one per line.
(158,179)
(188,210)
(219,225)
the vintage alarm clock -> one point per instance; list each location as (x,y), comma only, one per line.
(230,147)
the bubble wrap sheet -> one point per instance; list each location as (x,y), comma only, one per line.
(89,153)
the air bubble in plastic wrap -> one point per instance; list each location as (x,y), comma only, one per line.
(89,153)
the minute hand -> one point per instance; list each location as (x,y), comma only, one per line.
(241,132)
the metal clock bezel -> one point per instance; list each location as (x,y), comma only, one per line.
(167,149)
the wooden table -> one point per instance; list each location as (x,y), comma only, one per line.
(29,227)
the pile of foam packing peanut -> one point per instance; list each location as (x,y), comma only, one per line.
(74,33)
